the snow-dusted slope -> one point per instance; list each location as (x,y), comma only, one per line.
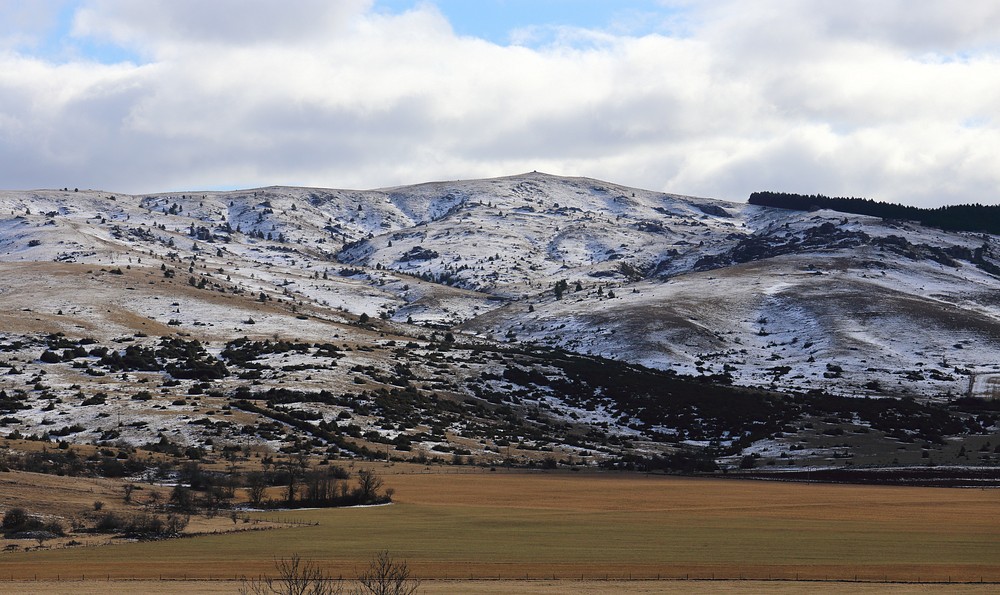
(770,297)
(512,236)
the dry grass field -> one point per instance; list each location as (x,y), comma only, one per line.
(539,587)
(566,527)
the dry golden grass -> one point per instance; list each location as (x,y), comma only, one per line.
(63,497)
(593,526)
(97,586)
(99,304)
(69,499)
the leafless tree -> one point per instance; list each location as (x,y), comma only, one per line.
(153,499)
(385,576)
(295,577)
(369,484)
(176,523)
(256,487)
(127,490)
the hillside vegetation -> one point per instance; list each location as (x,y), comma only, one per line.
(955,217)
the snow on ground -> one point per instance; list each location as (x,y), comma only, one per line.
(766,296)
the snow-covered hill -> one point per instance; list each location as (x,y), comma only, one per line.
(759,297)
(770,296)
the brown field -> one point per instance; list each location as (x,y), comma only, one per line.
(564,527)
(514,587)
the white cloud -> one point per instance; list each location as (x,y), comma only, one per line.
(160,26)
(25,24)
(894,101)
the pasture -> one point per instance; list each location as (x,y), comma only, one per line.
(561,526)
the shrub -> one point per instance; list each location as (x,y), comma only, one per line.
(15,520)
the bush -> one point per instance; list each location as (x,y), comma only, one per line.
(108,522)
(15,520)
(50,357)
(140,525)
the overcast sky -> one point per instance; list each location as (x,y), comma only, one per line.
(896,100)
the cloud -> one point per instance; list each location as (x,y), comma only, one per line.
(916,26)
(804,96)
(921,26)
(27,23)
(161,26)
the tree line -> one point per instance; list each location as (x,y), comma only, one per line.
(969,217)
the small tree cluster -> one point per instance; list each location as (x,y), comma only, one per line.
(17,521)
(141,525)
(295,576)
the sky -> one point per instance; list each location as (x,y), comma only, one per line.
(896,100)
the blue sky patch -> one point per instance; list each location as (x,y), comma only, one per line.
(496,20)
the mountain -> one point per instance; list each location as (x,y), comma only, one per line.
(528,316)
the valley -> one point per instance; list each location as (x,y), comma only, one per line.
(199,380)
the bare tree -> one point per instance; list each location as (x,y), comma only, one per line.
(176,523)
(295,577)
(153,499)
(369,483)
(293,487)
(385,576)
(256,488)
